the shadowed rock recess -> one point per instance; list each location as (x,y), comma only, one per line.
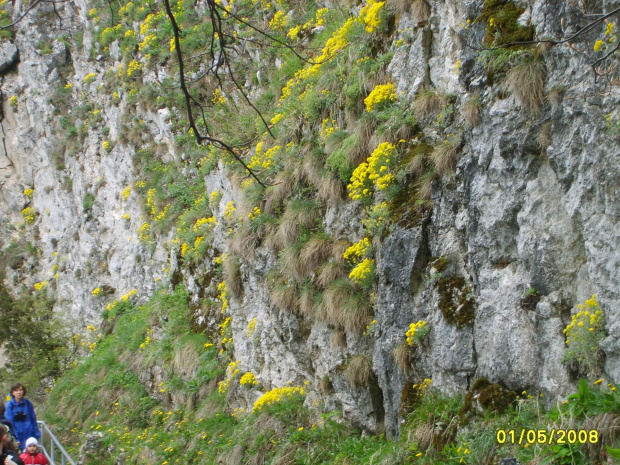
(483,191)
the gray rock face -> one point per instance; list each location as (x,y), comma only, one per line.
(517,214)
(9,55)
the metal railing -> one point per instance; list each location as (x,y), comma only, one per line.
(51,447)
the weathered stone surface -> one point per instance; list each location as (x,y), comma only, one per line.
(514,216)
(9,55)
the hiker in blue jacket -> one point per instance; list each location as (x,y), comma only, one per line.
(20,412)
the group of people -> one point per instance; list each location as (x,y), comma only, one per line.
(19,431)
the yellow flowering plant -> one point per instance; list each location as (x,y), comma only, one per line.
(277,395)
(417,331)
(374,173)
(583,334)
(380,94)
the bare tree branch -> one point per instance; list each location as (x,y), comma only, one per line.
(188,98)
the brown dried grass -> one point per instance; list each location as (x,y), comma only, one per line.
(403,356)
(526,81)
(232,275)
(359,370)
(427,103)
(445,156)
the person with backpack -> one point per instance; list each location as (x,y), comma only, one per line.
(7,457)
(7,424)
(20,412)
(33,456)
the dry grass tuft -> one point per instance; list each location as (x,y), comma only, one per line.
(544,136)
(186,362)
(299,214)
(364,135)
(316,251)
(284,296)
(293,265)
(428,103)
(331,189)
(416,164)
(286,456)
(424,185)
(420,10)
(359,370)
(329,272)
(472,110)
(344,306)
(232,275)
(279,191)
(608,427)
(445,155)
(306,300)
(244,242)
(423,435)
(556,95)
(399,7)
(339,339)
(526,81)
(403,356)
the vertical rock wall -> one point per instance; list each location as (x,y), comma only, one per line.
(516,215)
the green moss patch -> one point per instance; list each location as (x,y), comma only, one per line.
(486,397)
(503,28)
(456,301)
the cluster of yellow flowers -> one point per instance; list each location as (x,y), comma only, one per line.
(585,331)
(369,15)
(148,339)
(89,77)
(150,201)
(609,31)
(13,101)
(263,159)
(40,285)
(362,271)
(375,171)
(96,291)
(28,214)
(127,296)
(205,224)
(378,217)
(328,127)
(254,214)
(424,385)
(223,296)
(279,21)
(248,379)
(133,67)
(359,255)
(229,209)
(334,44)
(108,33)
(370,327)
(463,450)
(125,193)
(277,395)
(218,97)
(380,93)
(144,233)
(416,332)
(277,118)
(107,146)
(233,371)
(358,251)
(249,331)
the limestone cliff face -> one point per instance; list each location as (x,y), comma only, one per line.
(521,211)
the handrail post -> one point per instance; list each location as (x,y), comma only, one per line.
(53,444)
